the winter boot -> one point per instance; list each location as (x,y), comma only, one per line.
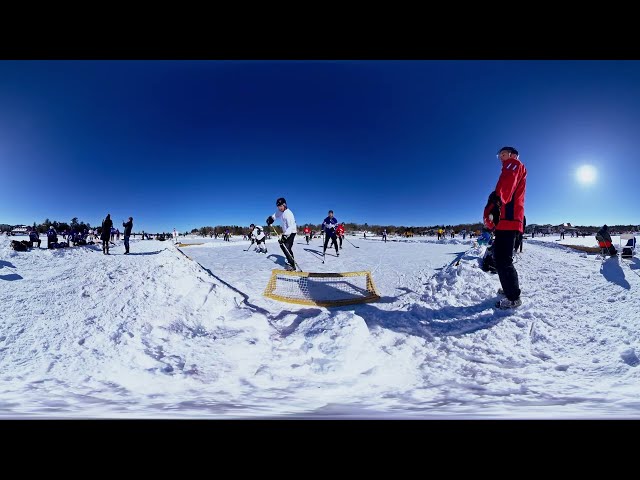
(505,303)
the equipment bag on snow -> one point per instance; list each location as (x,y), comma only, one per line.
(19,246)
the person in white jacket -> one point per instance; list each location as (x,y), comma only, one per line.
(256,234)
(175,236)
(289,229)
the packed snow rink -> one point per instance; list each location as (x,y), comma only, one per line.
(169,332)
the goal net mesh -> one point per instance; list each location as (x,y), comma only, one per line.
(321,289)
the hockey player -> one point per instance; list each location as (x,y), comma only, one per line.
(329,228)
(307,233)
(256,234)
(340,232)
(289,229)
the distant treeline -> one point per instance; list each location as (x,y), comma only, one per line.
(349,227)
(393,229)
(63,226)
(59,226)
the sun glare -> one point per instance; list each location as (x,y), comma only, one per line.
(586,174)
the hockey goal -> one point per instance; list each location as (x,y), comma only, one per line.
(321,289)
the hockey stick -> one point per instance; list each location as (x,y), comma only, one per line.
(345,237)
(248,246)
(287,253)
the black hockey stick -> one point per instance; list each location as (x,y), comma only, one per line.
(287,253)
(345,237)
(248,246)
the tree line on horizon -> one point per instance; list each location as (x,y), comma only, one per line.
(391,229)
(63,226)
(349,227)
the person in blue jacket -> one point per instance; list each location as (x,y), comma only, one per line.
(34,237)
(52,236)
(329,228)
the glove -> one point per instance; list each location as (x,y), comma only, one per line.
(269,220)
(495,199)
(491,214)
(488,222)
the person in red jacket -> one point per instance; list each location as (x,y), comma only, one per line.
(504,213)
(307,233)
(340,232)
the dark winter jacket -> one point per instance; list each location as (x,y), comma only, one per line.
(329,226)
(127,228)
(604,234)
(107,225)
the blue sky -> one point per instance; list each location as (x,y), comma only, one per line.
(192,143)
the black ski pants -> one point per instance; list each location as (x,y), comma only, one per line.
(331,236)
(503,246)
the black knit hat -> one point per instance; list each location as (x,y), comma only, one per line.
(281,201)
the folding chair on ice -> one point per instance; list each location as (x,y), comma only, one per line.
(628,248)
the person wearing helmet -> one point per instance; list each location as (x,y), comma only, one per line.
(256,234)
(340,232)
(329,225)
(307,233)
(504,214)
(289,229)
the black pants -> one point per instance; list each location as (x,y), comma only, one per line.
(503,247)
(289,242)
(126,243)
(307,239)
(340,237)
(518,243)
(331,236)
(289,246)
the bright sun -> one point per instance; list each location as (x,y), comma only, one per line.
(586,174)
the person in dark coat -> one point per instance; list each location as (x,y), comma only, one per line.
(127,233)
(105,234)
(34,237)
(604,236)
(52,237)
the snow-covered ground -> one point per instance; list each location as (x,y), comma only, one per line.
(160,333)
